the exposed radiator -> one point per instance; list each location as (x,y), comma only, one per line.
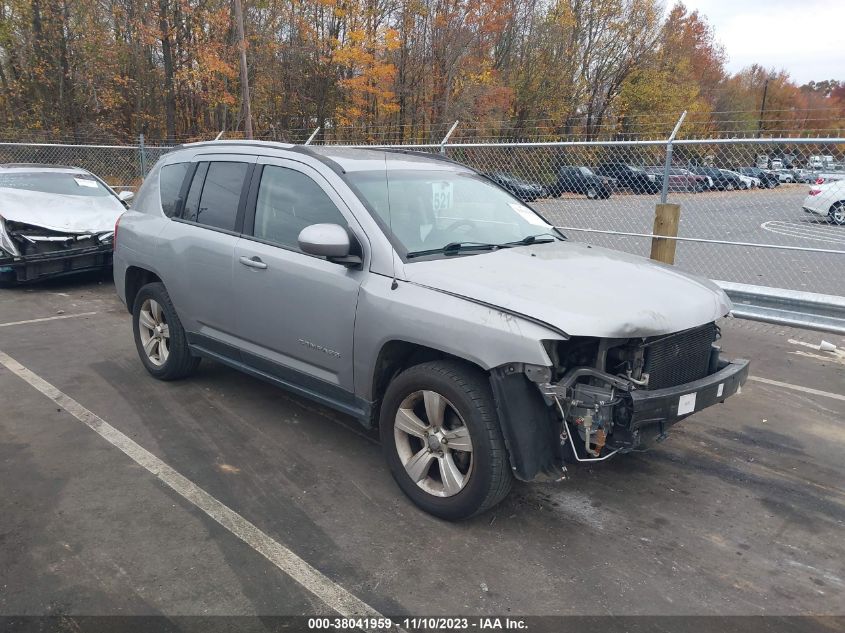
(675,359)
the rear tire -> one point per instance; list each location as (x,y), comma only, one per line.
(445,400)
(159,336)
(837,213)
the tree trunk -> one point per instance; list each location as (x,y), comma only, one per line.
(167,54)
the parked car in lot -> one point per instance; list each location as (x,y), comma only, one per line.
(786,175)
(680,180)
(525,191)
(827,200)
(806,176)
(718,179)
(767,179)
(581,179)
(630,177)
(737,180)
(54,221)
(412,293)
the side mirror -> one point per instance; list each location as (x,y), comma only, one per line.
(125,196)
(330,241)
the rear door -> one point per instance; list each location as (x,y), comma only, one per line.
(200,247)
(296,312)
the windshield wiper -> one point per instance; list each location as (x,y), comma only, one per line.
(455,247)
(532,239)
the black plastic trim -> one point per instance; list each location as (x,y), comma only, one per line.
(531,432)
(289,379)
(661,405)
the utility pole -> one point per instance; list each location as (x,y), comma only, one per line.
(239,18)
(762,107)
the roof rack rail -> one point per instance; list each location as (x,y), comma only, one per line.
(239,141)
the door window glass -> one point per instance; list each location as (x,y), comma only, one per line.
(288,201)
(221,193)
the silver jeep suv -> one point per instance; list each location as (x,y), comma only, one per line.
(416,295)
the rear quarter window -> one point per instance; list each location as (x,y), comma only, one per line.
(170,185)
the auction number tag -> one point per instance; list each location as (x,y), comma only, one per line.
(85,182)
(441,196)
(686,404)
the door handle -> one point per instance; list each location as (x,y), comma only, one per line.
(253,262)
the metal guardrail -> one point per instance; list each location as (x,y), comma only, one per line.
(787,307)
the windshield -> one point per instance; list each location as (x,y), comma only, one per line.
(62,183)
(428,210)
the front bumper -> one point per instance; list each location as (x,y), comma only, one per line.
(53,264)
(673,404)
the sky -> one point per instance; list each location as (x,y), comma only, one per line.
(804,37)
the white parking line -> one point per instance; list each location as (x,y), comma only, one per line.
(332,594)
(786,385)
(52,318)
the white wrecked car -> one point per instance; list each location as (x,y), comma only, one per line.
(54,221)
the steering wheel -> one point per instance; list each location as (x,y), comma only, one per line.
(461,223)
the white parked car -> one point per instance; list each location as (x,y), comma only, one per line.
(55,221)
(827,200)
(748,182)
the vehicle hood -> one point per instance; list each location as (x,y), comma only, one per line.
(62,213)
(580,289)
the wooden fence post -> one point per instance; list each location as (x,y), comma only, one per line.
(666,218)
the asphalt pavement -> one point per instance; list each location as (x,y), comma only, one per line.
(740,512)
(760,216)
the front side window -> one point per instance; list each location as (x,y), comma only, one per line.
(170,186)
(288,201)
(215,194)
(427,210)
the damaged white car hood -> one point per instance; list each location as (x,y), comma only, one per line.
(580,289)
(62,213)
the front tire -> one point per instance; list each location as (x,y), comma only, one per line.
(440,435)
(159,336)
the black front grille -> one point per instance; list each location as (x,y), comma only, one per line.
(675,359)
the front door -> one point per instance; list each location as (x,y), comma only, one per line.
(295,312)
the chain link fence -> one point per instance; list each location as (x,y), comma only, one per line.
(121,166)
(743,201)
(743,216)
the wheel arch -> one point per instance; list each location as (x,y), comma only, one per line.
(528,426)
(397,355)
(136,278)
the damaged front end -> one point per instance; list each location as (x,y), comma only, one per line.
(29,252)
(607,396)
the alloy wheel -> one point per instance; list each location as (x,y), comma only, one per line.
(433,443)
(154,331)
